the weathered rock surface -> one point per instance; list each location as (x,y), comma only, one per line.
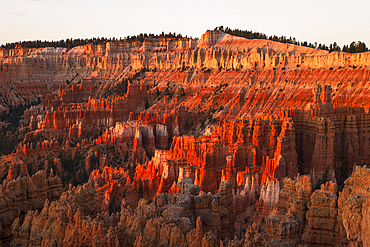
(353,205)
(283,229)
(241,118)
(294,196)
(190,218)
(19,196)
(66,221)
(26,73)
(322,217)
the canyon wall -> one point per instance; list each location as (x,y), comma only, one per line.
(221,141)
(266,73)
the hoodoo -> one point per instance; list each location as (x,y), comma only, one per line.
(171,141)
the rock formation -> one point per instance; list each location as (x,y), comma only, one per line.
(19,196)
(283,229)
(322,223)
(353,207)
(65,221)
(142,119)
(191,218)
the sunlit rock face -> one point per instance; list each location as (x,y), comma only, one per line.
(283,74)
(221,141)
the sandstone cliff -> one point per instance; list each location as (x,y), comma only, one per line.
(191,218)
(20,195)
(241,118)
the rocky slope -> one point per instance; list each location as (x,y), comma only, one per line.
(175,141)
(25,193)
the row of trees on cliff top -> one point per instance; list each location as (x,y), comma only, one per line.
(70,43)
(352,48)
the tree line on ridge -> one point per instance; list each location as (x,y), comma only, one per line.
(354,47)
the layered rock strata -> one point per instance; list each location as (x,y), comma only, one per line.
(236,116)
(353,203)
(190,218)
(322,216)
(19,196)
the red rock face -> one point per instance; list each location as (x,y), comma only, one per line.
(331,137)
(22,193)
(104,112)
(228,151)
(169,220)
(64,221)
(322,224)
(253,66)
(241,118)
(354,207)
